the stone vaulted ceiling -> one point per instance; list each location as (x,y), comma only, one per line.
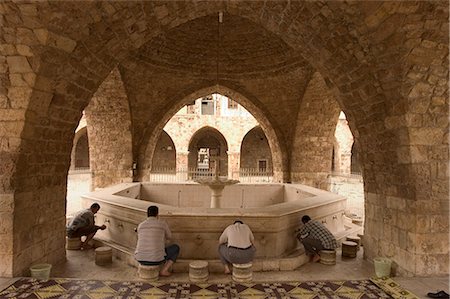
(235,48)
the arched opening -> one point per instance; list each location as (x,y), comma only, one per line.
(355,166)
(208,153)
(82,152)
(164,158)
(79,178)
(239,114)
(255,157)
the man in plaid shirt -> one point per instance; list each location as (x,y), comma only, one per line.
(315,237)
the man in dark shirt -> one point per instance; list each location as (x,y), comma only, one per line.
(83,224)
(315,237)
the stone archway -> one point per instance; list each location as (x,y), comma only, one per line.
(355,165)
(165,156)
(374,56)
(277,148)
(255,152)
(208,152)
(80,151)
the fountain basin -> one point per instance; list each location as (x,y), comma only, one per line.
(272,211)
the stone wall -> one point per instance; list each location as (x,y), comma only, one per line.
(233,126)
(109,125)
(312,147)
(164,158)
(343,146)
(254,148)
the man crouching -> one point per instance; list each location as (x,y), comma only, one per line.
(151,247)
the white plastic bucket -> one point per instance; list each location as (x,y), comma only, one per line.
(41,271)
(382,266)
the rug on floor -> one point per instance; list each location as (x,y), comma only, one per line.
(28,288)
(392,288)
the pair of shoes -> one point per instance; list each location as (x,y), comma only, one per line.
(440,294)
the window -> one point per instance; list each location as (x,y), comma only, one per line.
(191,108)
(232,104)
(262,165)
(208,106)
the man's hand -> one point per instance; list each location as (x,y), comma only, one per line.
(103,227)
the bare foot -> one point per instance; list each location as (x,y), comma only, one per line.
(226,269)
(86,246)
(316,258)
(165,274)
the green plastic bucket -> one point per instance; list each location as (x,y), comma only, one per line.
(382,266)
(41,271)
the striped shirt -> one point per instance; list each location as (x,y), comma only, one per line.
(152,236)
(316,230)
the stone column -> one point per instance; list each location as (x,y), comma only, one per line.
(345,166)
(182,165)
(233,164)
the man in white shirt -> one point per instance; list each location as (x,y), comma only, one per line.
(151,246)
(236,245)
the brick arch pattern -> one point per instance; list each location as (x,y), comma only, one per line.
(276,144)
(385,62)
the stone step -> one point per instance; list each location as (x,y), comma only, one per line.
(294,260)
(291,261)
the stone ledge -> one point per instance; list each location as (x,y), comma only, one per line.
(292,261)
(288,263)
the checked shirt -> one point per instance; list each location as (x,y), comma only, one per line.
(317,230)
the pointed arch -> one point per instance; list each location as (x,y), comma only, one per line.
(254,150)
(208,149)
(165,156)
(277,147)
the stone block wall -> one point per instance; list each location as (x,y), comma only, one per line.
(255,147)
(109,132)
(311,154)
(164,157)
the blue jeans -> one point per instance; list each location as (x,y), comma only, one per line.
(172,252)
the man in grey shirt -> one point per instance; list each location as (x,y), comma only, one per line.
(83,224)
(151,246)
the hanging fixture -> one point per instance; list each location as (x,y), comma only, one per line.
(219,21)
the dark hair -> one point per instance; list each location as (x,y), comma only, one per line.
(95,206)
(238,221)
(305,219)
(152,211)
